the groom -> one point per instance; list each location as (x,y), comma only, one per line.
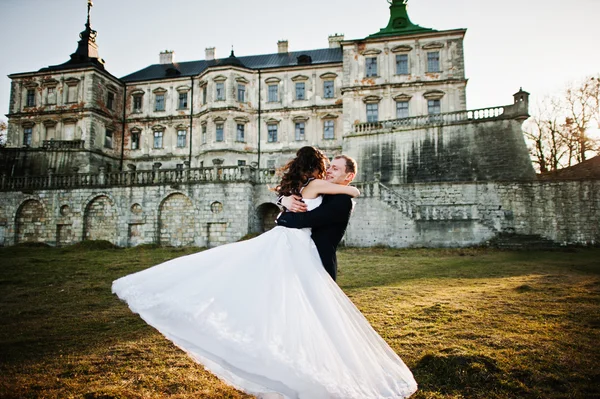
(330,219)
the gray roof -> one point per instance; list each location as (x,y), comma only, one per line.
(265,61)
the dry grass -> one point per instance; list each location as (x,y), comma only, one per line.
(473,323)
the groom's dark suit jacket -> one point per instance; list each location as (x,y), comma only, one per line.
(328,223)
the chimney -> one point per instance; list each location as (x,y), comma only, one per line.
(166,57)
(210,53)
(282,46)
(335,40)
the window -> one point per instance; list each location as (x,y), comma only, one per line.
(371,66)
(273,95)
(241,93)
(328,90)
(272,133)
(72,93)
(50,132)
(27,134)
(402,109)
(240,133)
(433,107)
(137,103)
(220,91)
(51,95)
(241,162)
(433,61)
(159,104)
(69,131)
(110,100)
(203,134)
(300,91)
(204,93)
(30,101)
(271,164)
(402,64)
(158,139)
(219,132)
(181,135)
(183,100)
(328,129)
(372,112)
(135,141)
(299,131)
(108,139)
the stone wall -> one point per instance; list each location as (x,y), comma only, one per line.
(485,150)
(197,214)
(214,213)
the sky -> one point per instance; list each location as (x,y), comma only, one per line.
(539,45)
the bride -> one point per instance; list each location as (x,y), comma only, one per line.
(264,316)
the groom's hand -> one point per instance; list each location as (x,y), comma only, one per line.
(293,203)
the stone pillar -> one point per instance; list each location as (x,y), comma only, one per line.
(101,175)
(50,176)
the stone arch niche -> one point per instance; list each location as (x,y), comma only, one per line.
(176,221)
(266,214)
(100,220)
(29,222)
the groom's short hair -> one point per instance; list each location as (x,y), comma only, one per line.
(350,163)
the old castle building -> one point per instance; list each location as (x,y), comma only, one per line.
(180,153)
(238,110)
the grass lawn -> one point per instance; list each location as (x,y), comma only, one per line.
(470,323)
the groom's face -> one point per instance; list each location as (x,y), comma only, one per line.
(336,172)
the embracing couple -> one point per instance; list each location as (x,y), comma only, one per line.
(265,315)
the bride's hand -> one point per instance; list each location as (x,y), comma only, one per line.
(293,203)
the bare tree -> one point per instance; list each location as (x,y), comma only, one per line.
(557,133)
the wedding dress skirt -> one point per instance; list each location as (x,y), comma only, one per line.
(264,316)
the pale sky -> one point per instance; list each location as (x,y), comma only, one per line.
(540,45)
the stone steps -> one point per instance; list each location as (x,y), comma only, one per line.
(521,242)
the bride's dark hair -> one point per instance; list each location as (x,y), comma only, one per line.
(309,162)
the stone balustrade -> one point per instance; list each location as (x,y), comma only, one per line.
(447,118)
(63,144)
(154,176)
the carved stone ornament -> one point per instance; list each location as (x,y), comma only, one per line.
(433,94)
(300,78)
(371,99)
(402,97)
(433,45)
(272,79)
(403,48)
(241,119)
(371,51)
(328,75)
(72,82)
(300,118)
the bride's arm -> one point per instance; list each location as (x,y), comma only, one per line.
(319,186)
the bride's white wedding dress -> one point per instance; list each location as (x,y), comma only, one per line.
(264,316)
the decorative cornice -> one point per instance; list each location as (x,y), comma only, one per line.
(137,92)
(241,119)
(300,118)
(49,123)
(403,48)
(158,128)
(372,51)
(328,75)
(433,45)
(330,116)
(272,121)
(241,79)
(159,90)
(433,94)
(371,99)
(300,78)
(50,83)
(220,78)
(272,79)
(402,97)
(183,88)
(72,81)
